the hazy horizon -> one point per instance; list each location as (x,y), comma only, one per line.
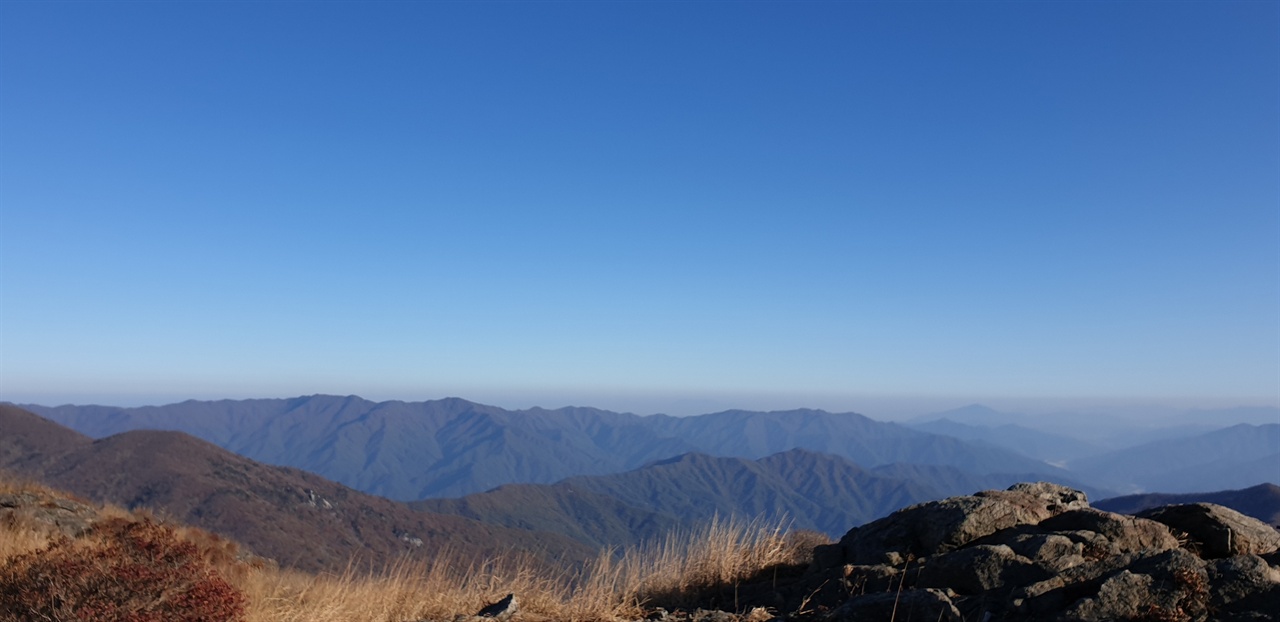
(883,407)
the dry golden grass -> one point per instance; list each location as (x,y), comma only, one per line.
(684,565)
(672,572)
(676,571)
(19,539)
(15,483)
(16,537)
(437,590)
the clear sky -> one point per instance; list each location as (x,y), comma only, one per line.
(640,205)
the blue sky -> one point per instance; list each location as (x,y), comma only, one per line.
(648,205)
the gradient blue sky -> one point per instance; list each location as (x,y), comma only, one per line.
(642,206)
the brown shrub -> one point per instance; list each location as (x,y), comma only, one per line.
(122,572)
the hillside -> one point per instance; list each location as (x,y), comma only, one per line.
(808,490)
(298,518)
(32,439)
(597,520)
(816,491)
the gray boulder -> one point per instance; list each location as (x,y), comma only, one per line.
(1235,578)
(871,579)
(1123,596)
(41,510)
(979,568)
(1261,606)
(1170,586)
(1053,552)
(1042,598)
(937,527)
(1216,531)
(1038,552)
(1123,534)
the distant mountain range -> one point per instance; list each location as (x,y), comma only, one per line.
(399,450)
(863,440)
(1236,457)
(1261,502)
(1103,430)
(794,466)
(453,447)
(297,518)
(1191,450)
(1052,448)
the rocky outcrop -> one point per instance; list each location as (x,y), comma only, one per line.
(1241,577)
(1039,552)
(47,512)
(1034,552)
(1218,531)
(939,526)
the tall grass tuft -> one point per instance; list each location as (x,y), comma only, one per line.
(437,589)
(682,568)
(676,571)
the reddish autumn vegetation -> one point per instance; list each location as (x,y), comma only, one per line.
(124,571)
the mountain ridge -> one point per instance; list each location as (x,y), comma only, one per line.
(1246,454)
(453,447)
(1261,502)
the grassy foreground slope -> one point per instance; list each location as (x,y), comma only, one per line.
(47,572)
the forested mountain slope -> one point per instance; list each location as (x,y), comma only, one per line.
(453,447)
